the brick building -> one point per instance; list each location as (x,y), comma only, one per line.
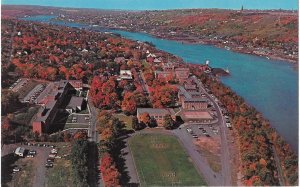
(50,100)
(182,74)
(156,113)
(194,103)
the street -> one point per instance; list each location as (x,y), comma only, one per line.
(225,158)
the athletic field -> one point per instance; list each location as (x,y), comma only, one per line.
(161,161)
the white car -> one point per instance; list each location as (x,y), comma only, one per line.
(16,169)
(53,151)
(52,155)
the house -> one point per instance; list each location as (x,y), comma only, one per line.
(150,57)
(169,66)
(156,113)
(157,60)
(20,151)
(125,75)
(75,104)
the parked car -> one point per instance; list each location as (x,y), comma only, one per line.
(16,169)
(52,155)
(50,160)
(30,156)
(32,152)
(49,165)
(53,151)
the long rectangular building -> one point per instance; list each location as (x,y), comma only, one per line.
(156,113)
(50,100)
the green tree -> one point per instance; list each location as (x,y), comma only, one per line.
(168,122)
(135,124)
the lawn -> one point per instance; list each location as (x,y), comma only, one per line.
(60,174)
(161,161)
(127,120)
(24,116)
(67,126)
(21,178)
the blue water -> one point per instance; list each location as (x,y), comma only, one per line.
(270,86)
(162,5)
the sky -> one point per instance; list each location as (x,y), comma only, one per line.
(162,4)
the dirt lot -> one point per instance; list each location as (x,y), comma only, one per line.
(210,149)
(32,170)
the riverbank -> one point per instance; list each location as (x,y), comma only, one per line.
(224,44)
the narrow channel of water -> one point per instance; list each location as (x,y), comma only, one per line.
(271,86)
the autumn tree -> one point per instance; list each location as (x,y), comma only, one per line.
(145,118)
(109,171)
(164,96)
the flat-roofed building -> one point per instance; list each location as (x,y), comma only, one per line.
(156,113)
(50,100)
(163,74)
(194,103)
(75,104)
(197,116)
(182,74)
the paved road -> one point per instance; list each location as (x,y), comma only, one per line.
(225,157)
(143,83)
(130,164)
(199,161)
(93,133)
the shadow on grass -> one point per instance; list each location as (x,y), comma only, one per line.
(93,164)
(7,165)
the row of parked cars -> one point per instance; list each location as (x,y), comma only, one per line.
(37,144)
(189,130)
(50,159)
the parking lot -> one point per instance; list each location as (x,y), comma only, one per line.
(202,130)
(33,165)
(79,119)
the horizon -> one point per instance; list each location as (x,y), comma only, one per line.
(137,5)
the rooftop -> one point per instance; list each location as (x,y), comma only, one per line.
(155,111)
(197,115)
(75,101)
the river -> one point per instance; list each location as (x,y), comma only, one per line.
(271,86)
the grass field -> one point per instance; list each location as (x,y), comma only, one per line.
(161,161)
(126,119)
(61,173)
(23,177)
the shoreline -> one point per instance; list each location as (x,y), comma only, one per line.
(218,44)
(214,43)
